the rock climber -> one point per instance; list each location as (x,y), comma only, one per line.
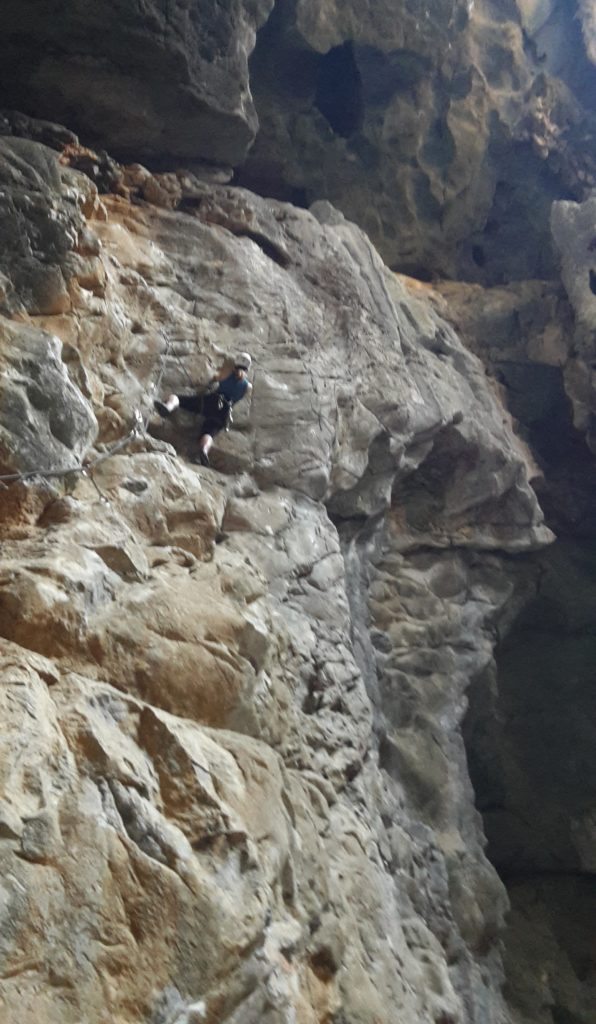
(224,391)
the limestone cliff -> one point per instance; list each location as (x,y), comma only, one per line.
(305,737)
(445,129)
(228,784)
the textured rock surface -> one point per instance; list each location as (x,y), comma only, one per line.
(150,80)
(232,789)
(529,730)
(258,720)
(444,130)
(45,244)
(574,233)
(525,333)
(45,422)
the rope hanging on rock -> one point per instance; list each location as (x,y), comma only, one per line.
(183,368)
(155,385)
(81,468)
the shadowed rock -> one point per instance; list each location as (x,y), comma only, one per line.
(147,80)
(45,422)
(444,130)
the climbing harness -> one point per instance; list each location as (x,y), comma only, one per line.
(139,428)
(224,403)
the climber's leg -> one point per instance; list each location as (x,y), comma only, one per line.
(205,442)
(168,406)
(191,403)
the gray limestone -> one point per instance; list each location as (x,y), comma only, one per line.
(241,690)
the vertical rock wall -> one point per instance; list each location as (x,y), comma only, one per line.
(259,719)
(232,789)
(529,730)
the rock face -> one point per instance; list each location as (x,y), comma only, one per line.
(444,130)
(528,731)
(234,784)
(45,421)
(148,80)
(305,737)
(42,217)
(573,231)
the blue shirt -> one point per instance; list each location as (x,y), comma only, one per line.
(233,388)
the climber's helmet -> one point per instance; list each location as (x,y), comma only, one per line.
(242,362)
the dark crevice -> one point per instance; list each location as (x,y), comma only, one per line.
(385,74)
(339,90)
(562,1016)
(267,181)
(299,197)
(529,736)
(271,250)
(537,399)
(515,242)
(415,270)
(522,877)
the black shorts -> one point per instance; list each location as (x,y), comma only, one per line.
(192,403)
(208,406)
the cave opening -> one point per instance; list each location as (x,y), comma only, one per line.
(530,727)
(529,737)
(536,397)
(339,93)
(284,71)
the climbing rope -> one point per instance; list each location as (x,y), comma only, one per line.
(80,468)
(183,368)
(154,387)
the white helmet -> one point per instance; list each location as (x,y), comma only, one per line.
(243,359)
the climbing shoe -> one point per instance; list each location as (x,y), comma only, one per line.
(201,459)
(161,408)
